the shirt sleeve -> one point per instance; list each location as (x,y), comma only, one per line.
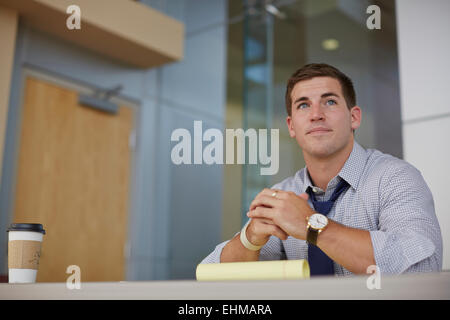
(408,238)
(214,257)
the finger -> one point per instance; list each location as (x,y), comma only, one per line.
(270,192)
(263,200)
(259,228)
(266,192)
(268,229)
(277,232)
(263,220)
(266,221)
(261,212)
(276,193)
(304,196)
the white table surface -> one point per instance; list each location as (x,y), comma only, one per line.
(410,286)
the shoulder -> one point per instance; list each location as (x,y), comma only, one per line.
(388,169)
(386,163)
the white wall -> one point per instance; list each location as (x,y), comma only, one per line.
(424,51)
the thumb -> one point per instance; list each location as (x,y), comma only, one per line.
(304,196)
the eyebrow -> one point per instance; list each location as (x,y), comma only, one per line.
(327,94)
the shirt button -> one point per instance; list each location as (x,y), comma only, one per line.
(315,189)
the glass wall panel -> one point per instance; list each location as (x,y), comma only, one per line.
(281,36)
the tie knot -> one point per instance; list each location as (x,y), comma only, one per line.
(324,207)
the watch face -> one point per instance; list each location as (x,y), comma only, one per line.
(318,221)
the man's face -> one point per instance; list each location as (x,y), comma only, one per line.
(320,120)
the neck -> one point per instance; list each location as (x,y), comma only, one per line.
(323,169)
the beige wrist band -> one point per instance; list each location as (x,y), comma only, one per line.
(245,241)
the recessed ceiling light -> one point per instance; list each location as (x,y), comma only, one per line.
(330,44)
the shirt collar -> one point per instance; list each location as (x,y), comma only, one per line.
(307,181)
(354,166)
(350,172)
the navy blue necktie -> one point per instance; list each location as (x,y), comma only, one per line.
(319,262)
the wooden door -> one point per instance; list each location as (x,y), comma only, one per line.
(73,177)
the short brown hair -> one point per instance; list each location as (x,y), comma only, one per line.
(314,70)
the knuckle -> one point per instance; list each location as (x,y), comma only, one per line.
(273,230)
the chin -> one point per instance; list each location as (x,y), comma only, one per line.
(320,150)
(321,153)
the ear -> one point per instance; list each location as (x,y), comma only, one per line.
(290,126)
(355,114)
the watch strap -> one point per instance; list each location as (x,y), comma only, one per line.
(311,236)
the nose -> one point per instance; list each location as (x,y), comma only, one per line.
(317,113)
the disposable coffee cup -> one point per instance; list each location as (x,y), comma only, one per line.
(24,251)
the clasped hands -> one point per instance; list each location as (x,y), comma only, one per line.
(278,213)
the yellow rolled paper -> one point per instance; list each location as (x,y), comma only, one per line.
(255,270)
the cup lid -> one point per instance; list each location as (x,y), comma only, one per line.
(34,227)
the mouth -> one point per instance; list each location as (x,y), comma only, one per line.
(318,130)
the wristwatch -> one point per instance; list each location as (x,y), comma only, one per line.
(316,224)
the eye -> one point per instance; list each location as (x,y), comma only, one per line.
(302,105)
(330,102)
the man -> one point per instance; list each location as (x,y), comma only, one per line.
(349,208)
